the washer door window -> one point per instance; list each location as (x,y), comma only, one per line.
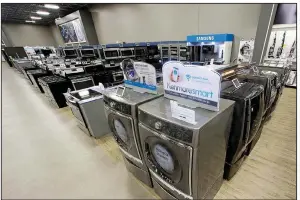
(120,130)
(123,132)
(168,159)
(163,158)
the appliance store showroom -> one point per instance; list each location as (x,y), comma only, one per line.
(148,100)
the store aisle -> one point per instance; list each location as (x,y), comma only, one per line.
(45,155)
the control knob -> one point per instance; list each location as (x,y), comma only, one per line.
(158,125)
(112,104)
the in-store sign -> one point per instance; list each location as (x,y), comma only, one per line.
(200,38)
(140,76)
(194,83)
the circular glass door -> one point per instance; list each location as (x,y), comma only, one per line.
(120,130)
(163,158)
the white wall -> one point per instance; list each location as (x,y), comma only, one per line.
(29,35)
(157,22)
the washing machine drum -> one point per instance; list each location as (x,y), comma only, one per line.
(123,132)
(247,116)
(120,130)
(168,160)
(163,158)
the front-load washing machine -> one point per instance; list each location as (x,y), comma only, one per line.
(247,118)
(267,80)
(121,106)
(185,160)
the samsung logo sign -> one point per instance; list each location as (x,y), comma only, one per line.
(200,38)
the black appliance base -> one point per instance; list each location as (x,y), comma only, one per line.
(254,141)
(231,169)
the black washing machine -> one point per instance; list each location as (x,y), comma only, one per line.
(267,80)
(247,119)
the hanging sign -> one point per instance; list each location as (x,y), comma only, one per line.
(245,51)
(197,86)
(140,76)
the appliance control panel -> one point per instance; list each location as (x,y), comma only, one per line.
(121,107)
(167,128)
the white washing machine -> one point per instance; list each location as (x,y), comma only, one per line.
(121,106)
(186,161)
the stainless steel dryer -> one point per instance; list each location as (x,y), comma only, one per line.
(121,105)
(186,161)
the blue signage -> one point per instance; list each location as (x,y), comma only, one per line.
(210,38)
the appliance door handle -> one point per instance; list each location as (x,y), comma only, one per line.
(70,99)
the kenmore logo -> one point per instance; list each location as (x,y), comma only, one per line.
(190,91)
(205,38)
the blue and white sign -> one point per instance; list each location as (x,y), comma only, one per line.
(198,84)
(140,76)
(210,38)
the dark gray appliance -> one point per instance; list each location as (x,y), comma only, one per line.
(121,106)
(54,87)
(140,53)
(34,75)
(84,82)
(247,119)
(88,109)
(186,161)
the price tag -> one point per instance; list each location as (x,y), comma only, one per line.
(182,113)
(148,44)
(236,83)
(72,66)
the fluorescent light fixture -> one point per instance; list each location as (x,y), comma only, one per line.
(33,17)
(42,12)
(30,21)
(51,6)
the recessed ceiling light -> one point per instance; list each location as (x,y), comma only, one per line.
(42,12)
(33,17)
(51,6)
(30,21)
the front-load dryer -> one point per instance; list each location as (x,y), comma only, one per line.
(185,160)
(121,106)
(247,118)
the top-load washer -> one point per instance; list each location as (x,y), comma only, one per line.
(247,119)
(121,106)
(186,161)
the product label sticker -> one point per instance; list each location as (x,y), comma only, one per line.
(236,83)
(140,76)
(181,113)
(195,83)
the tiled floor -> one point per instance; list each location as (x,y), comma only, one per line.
(45,155)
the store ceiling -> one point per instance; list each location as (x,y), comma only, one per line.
(20,12)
